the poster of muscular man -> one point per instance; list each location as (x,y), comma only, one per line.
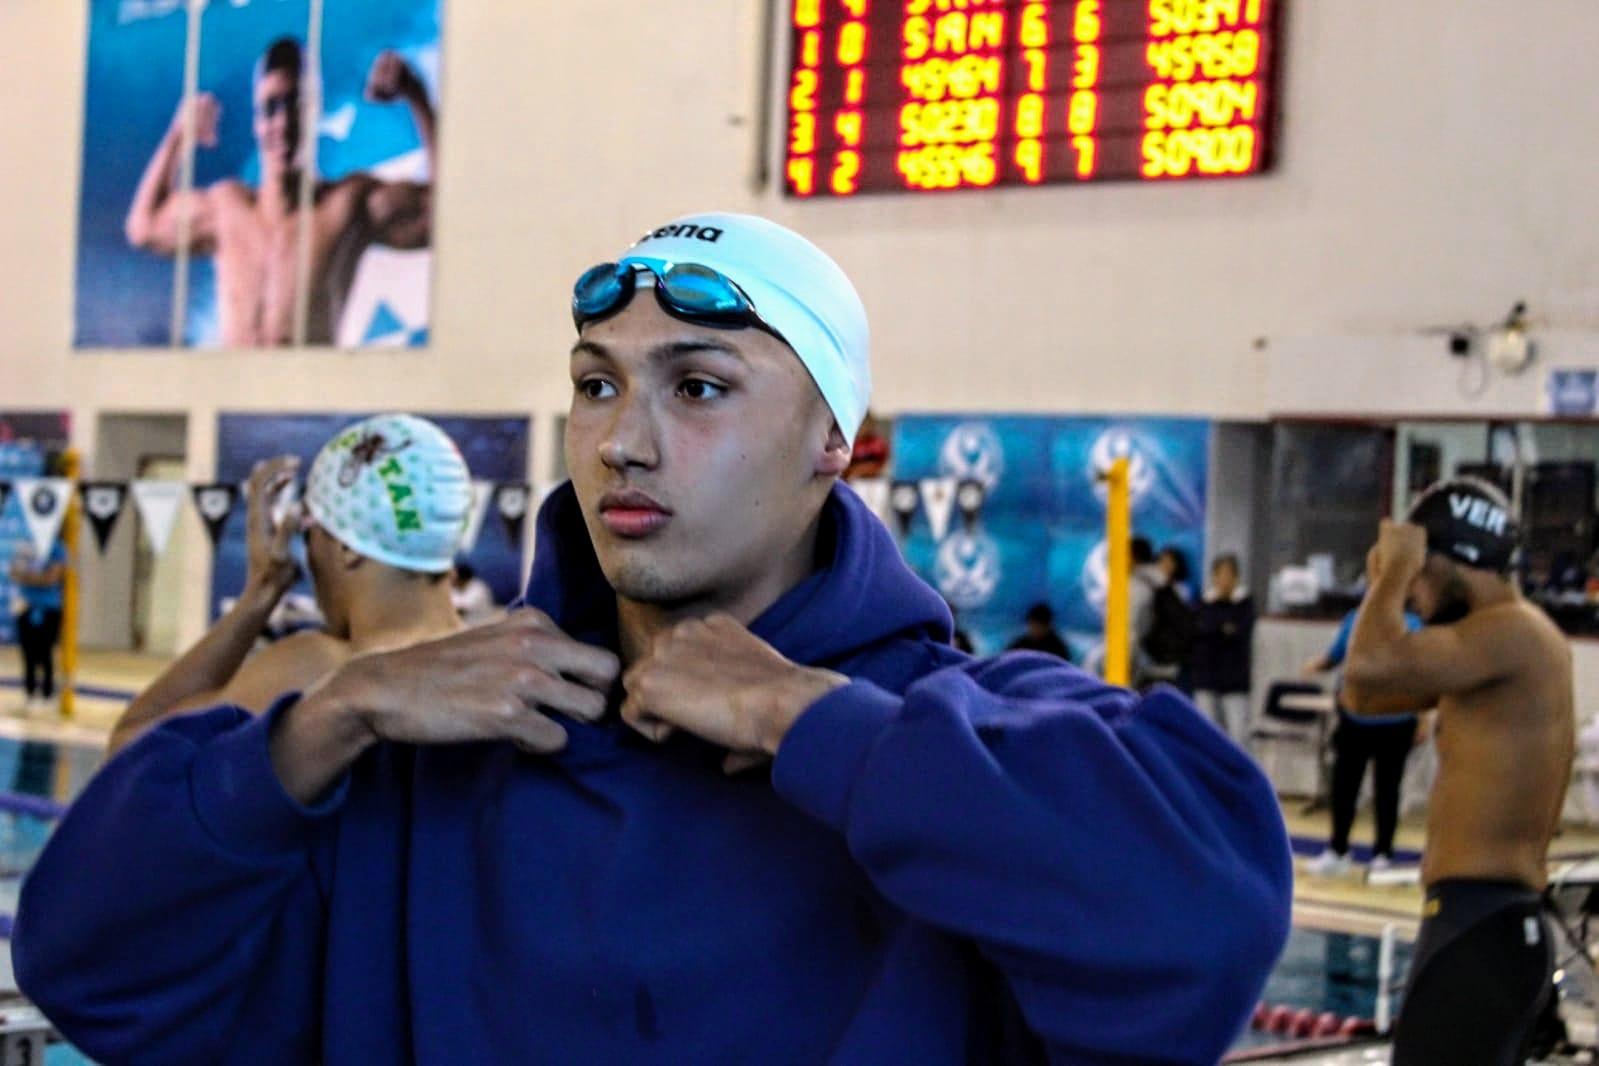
(258,173)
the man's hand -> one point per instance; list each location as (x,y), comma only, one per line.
(390,79)
(714,678)
(490,683)
(270,569)
(206,113)
(495,682)
(1399,554)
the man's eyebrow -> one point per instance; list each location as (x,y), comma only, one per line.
(667,352)
(682,349)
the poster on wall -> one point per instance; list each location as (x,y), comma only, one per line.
(28,440)
(495,449)
(286,198)
(1039,533)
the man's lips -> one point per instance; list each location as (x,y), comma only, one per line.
(631,513)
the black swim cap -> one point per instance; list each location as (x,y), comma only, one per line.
(1468,520)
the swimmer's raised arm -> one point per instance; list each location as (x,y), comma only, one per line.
(1390,668)
(198,678)
(154,217)
(400,213)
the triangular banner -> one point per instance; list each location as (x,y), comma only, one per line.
(904,498)
(512,500)
(44,505)
(970,496)
(873,492)
(103,502)
(215,502)
(938,500)
(482,495)
(157,503)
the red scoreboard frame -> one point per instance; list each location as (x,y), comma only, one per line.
(924,95)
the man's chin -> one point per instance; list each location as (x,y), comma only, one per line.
(636,573)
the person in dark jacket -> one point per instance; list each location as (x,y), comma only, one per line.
(1040,634)
(1220,657)
(718,791)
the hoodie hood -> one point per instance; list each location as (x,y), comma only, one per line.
(861,594)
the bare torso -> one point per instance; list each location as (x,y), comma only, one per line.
(257,254)
(1504,762)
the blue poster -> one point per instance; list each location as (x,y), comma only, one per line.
(495,449)
(1040,536)
(28,440)
(303,218)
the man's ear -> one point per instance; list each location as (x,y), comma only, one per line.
(833,459)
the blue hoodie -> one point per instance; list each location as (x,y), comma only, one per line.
(951,860)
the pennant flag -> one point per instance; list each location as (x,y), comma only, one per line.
(873,492)
(511,501)
(103,502)
(215,502)
(904,498)
(157,503)
(938,499)
(482,495)
(969,498)
(44,505)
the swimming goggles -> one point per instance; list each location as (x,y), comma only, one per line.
(691,292)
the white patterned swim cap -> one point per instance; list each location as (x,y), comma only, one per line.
(395,489)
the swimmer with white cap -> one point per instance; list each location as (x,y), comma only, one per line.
(1499,672)
(385,505)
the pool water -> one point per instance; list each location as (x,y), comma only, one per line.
(1324,972)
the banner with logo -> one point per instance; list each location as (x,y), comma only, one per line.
(1029,512)
(27,441)
(349,129)
(495,450)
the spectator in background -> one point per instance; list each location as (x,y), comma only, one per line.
(1176,571)
(1040,634)
(1385,740)
(471,595)
(40,585)
(1168,624)
(869,457)
(1219,660)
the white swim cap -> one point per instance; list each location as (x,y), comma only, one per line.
(395,489)
(796,288)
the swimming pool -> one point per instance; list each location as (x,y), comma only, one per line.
(1327,973)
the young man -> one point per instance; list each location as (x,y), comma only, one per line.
(254,233)
(1499,672)
(499,847)
(385,505)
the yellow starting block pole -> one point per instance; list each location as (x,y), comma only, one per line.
(1118,560)
(70,536)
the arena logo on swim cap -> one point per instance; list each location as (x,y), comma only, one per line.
(1480,513)
(688,231)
